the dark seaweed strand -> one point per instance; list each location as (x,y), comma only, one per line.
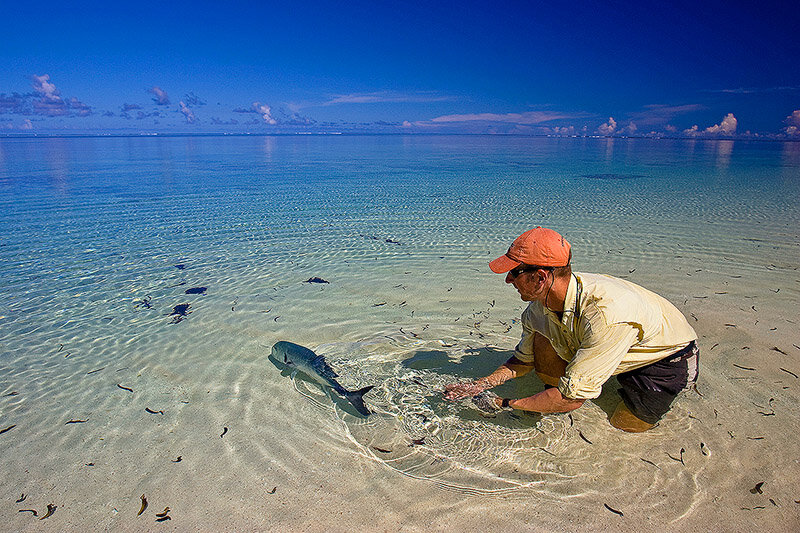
(790,373)
(9,428)
(613,510)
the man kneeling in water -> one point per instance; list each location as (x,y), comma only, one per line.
(580,329)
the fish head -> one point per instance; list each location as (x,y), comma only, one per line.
(281,352)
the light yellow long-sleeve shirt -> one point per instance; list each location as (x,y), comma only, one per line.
(608,326)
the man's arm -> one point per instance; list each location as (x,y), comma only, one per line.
(549,400)
(513,368)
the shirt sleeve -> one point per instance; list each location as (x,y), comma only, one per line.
(596,360)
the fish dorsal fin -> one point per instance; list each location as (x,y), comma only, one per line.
(322,366)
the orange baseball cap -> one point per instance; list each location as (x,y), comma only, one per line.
(539,247)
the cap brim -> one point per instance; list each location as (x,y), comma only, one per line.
(503,264)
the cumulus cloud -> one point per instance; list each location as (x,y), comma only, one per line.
(129,107)
(608,128)
(45,100)
(726,127)
(49,101)
(26,124)
(161,97)
(265,111)
(793,121)
(564,130)
(187,113)
(692,132)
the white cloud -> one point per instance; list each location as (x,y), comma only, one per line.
(26,124)
(529,117)
(794,118)
(726,127)
(188,113)
(692,132)
(43,86)
(265,111)
(161,97)
(608,128)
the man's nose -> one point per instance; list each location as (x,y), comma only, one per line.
(509,278)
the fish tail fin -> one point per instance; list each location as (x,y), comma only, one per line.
(357,399)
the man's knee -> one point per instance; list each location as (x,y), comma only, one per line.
(548,365)
(625,420)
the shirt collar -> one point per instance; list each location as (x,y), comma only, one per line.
(570,303)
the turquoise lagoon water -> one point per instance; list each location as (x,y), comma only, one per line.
(101,237)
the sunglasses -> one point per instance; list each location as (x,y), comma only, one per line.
(526,268)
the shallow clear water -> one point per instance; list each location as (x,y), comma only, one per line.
(101,237)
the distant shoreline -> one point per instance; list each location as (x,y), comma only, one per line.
(377,134)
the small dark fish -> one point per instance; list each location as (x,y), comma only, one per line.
(316,280)
(704,449)
(584,437)
(12,393)
(730,325)
(178,460)
(50,510)
(378,305)
(153,412)
(776,349)
(29,511)
(179,312)
(9,428)
(391,241)
(89,464)
(224,430)
(715,345)
(790,373)
(22,498)
(143,507)
(125,388)
(180,266)
(613,510)
(163,518)
(163,513)
(94,371)
(757,488)
(196,290)
(75,421)
(272,491)
(743,367)
(755,438)
(417,442)
(382,450)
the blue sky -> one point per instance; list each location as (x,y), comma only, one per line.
(688,68)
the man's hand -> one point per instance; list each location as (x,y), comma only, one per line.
(457,391)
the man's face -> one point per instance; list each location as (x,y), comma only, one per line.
(529,282)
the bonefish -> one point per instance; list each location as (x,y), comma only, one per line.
(316,367)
